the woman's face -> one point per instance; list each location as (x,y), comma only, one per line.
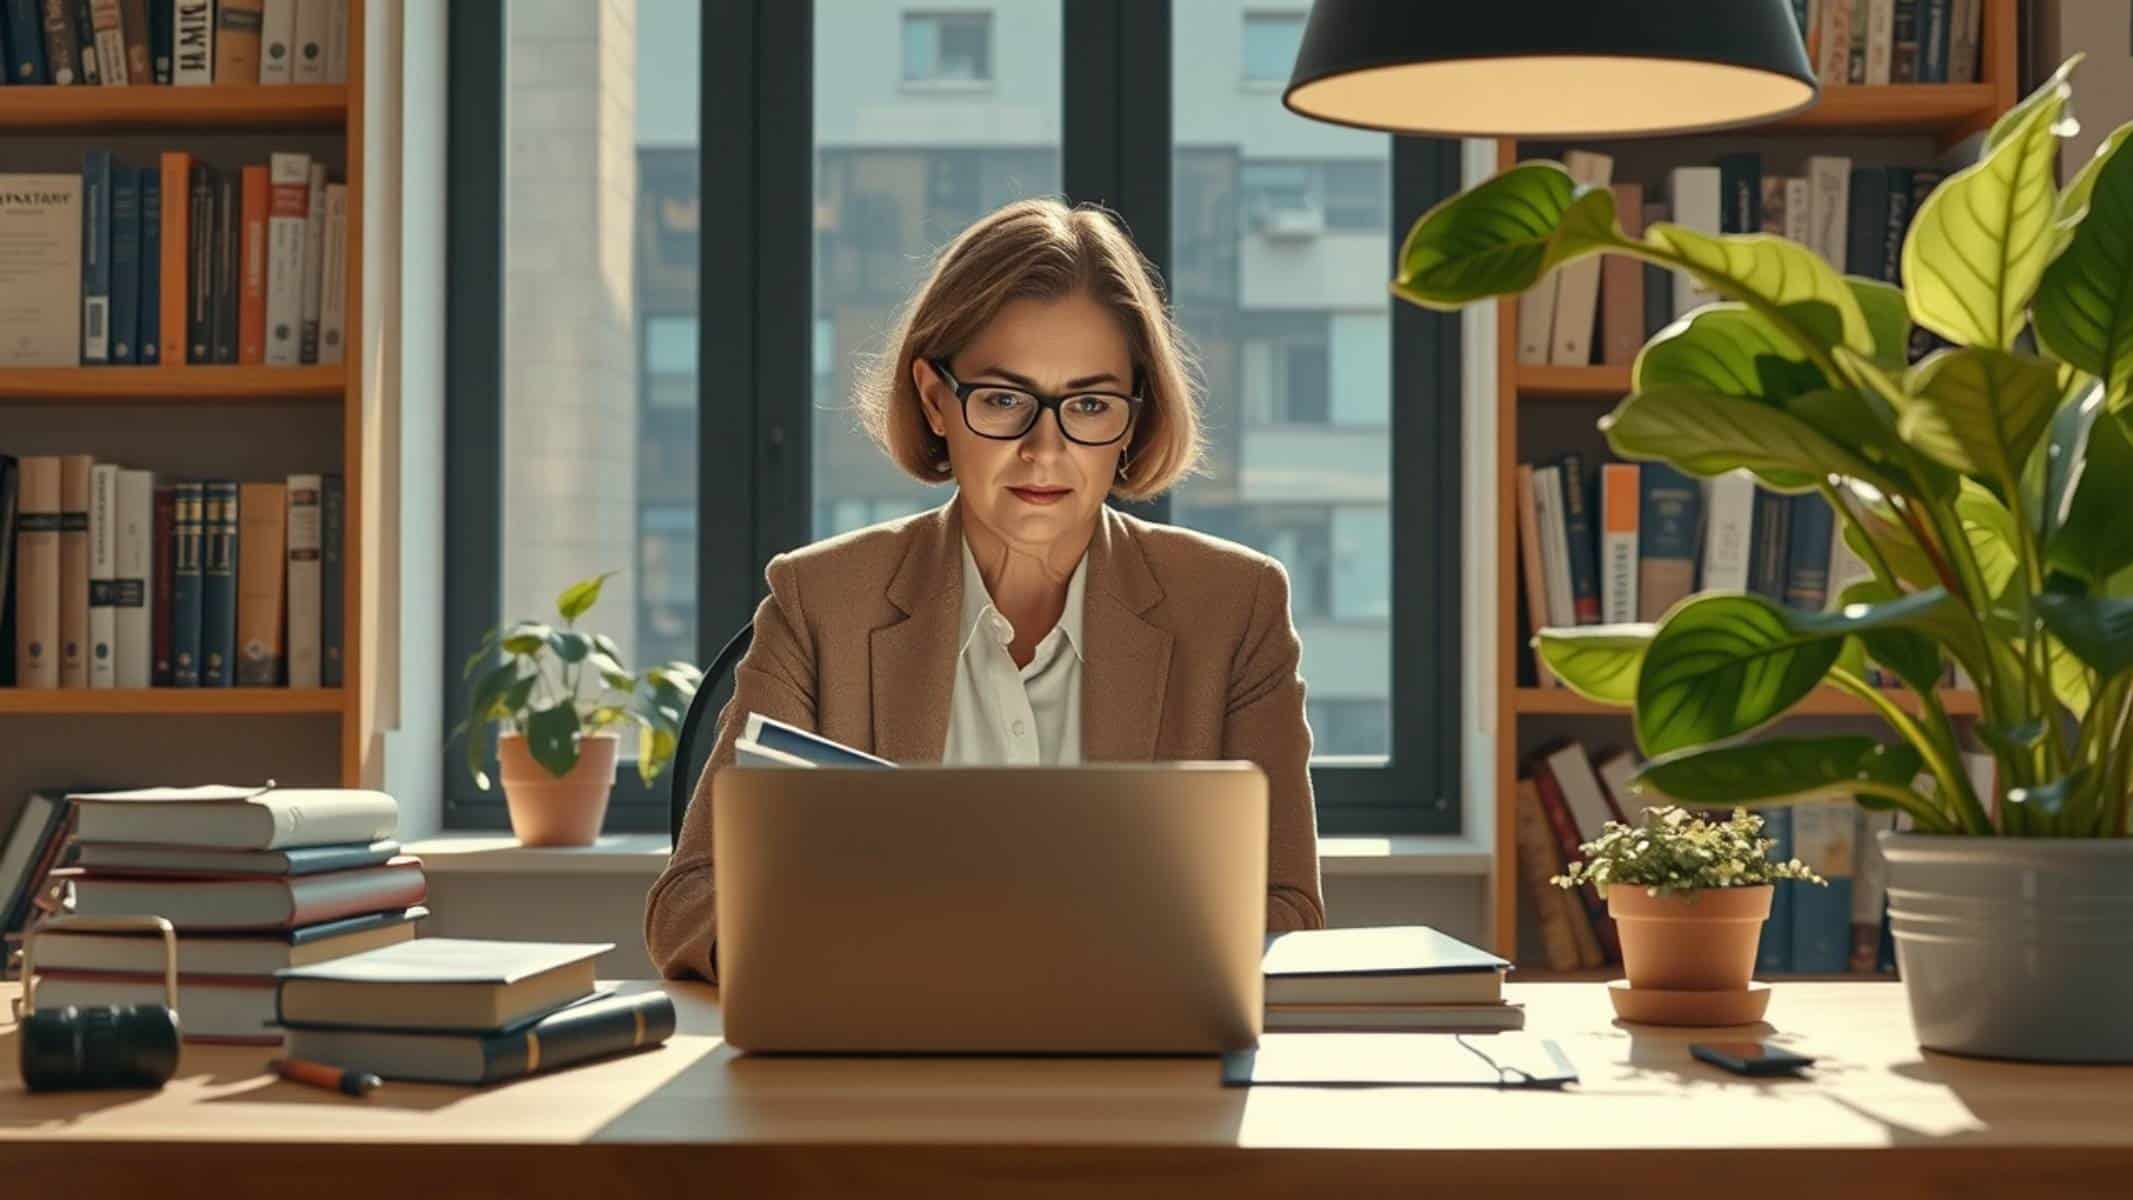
(1042,487)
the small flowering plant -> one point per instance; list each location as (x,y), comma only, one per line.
(1675,850)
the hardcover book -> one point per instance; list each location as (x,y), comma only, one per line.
(185,584)
(37,587)
(236,818)
(434,984)
(74,558)
(277,36)
(148,306)
(133,616)
(193,42)
(330,582)
(252,269)
(96,257)
(592,1028)
(218,584)
(304,539)
(258,902)
(288,210)
(261,575)
(103,572)
(163,536)
(237,41)
(125,265)
(172,283)
(1671,511)
(314,257)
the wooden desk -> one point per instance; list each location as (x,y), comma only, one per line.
(1881,1119)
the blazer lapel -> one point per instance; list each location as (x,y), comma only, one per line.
(912,661)
(1126,660)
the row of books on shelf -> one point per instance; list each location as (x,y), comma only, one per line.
(181,262)
(117,581)
(135,43)
(1604,309)
(1566,798)
(1892,41)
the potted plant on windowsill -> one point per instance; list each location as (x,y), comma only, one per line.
(1689,897)
(1990,489)
(556,698)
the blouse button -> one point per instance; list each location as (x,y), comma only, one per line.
(1016,728)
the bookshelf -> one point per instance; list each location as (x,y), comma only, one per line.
(240,419)
(1537,403)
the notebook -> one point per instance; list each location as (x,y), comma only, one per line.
(440,983)
(1502,1060)
(769,742)
(1396,964)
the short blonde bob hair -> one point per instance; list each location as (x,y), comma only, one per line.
(1039,249)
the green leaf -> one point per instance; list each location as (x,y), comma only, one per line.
(2084,305)
(1729,349)
(604,716)
(1706,434)
(2055,90)
(2098,630)
(655,749)
(2090,496)
(526,637)
(612,673)
(1979,244)
(2072,681)
(2049,801)
(1980,411)
(1772,276)
(1498,238)
(1598,662)
(1913,656)
(552,738)
(1778,771)
(1990,530)
(570,645)
(483,653)
(606,645)
(2074,200)
(490,689)
(514,700)
(575,600)
(1888,319)
(1862,423)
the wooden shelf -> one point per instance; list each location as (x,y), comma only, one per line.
(1573,383)
(190,108)
(1827,702)
(181,384)
(1917,108)
(169,702)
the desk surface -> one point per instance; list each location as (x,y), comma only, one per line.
(1880,1118)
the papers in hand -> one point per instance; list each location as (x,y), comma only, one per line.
(768,742)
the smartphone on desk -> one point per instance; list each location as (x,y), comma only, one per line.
(1751,1058)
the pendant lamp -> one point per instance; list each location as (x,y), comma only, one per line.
(1550,68)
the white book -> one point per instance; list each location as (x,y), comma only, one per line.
(235,818)
(746,753)
(1880,39)
(1729,525)
(1799,205)
(1833,63)
(1617,771)
(1963,40)
(134,598)
(103,574)
(223,1009)
(1829,203)
(288,214)
(333,277)
(1555,545)
(337,41)
(192,42)
(40,273)
(277,41)
(1870,871)
(1577,293)
(1693,192)
(304,581)
(1581,790)
(1619,509)
(1536,320)
(314,262)
(311,21)
(105,24)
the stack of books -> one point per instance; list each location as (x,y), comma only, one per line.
(254,879)
(1406,977)
(449,1010)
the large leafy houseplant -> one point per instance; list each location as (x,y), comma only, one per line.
(1989,486)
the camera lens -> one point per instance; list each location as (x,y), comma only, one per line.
(100,1046)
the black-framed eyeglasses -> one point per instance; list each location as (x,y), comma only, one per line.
(993,410)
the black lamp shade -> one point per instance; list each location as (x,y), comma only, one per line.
(1550,68)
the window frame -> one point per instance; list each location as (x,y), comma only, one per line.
(755,485)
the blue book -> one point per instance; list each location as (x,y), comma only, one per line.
(84,44)
(1811,525)
(1669,513)
(332,528)
(1773,952)
(775,735)
(218,584)
(25,42)
(1584,540)
(1867,223)
(1767,558)
(1933,42)
(159,41)
(125,265)
(151,301)
(96,257)
(185,581)
(1824,837)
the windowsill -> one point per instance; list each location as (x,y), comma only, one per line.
(948,87)
(645,853)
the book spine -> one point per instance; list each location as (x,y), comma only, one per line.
(200,269)
(1897,224)
(1862,18)
(186,550)
(331,581)
(110,42)
(160,38)
(96,257)
(310,65)
(228,239)
(1773,205)
(1671,507)
(10,516)
(1870,889)
(172,292)
(1582,541)
(1740,187)
(1933,44)
(1807,553)
(1834,59)
(1903,60)
(569,1038)
(277,37)
(1537,864)
(1867,221)
(237,41)
(1618,543)
(314,263)
(25,43)
(262,571)
(133,616)
(62,50)
(252,267)
(1829,185)
(38,526)
(333,276)
(218,584)
(162,537)
(1694,195)
(1964,40)
(1822,916)
(1557,811)
(74,553)
(125,265)
(1729,534)
(336,41)
(1577,295)
(1880,40)
(193,42)
(288,209)
(1773,947)
(103,574)
(148,306)
(1622,285)
(1530,552)
(81,29)
(1658,281)
(1798,212)
(1767,566)
(140,56)
(305,538)
(1555,558)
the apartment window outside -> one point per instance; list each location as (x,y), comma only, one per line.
(1270,41)
(948,47)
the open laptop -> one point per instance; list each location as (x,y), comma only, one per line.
(1103,909)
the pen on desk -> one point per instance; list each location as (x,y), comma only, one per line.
(333,1079)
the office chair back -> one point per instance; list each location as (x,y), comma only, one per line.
(702,707)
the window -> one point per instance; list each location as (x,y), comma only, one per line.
(946,47)
(1270,41)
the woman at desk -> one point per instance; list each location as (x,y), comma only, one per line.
(1025,621)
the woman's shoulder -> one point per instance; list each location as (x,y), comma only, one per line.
(868,555)
(1196,561)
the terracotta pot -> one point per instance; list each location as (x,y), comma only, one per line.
(551,811)
(1689,941)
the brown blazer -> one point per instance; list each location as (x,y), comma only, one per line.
(1190,654)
